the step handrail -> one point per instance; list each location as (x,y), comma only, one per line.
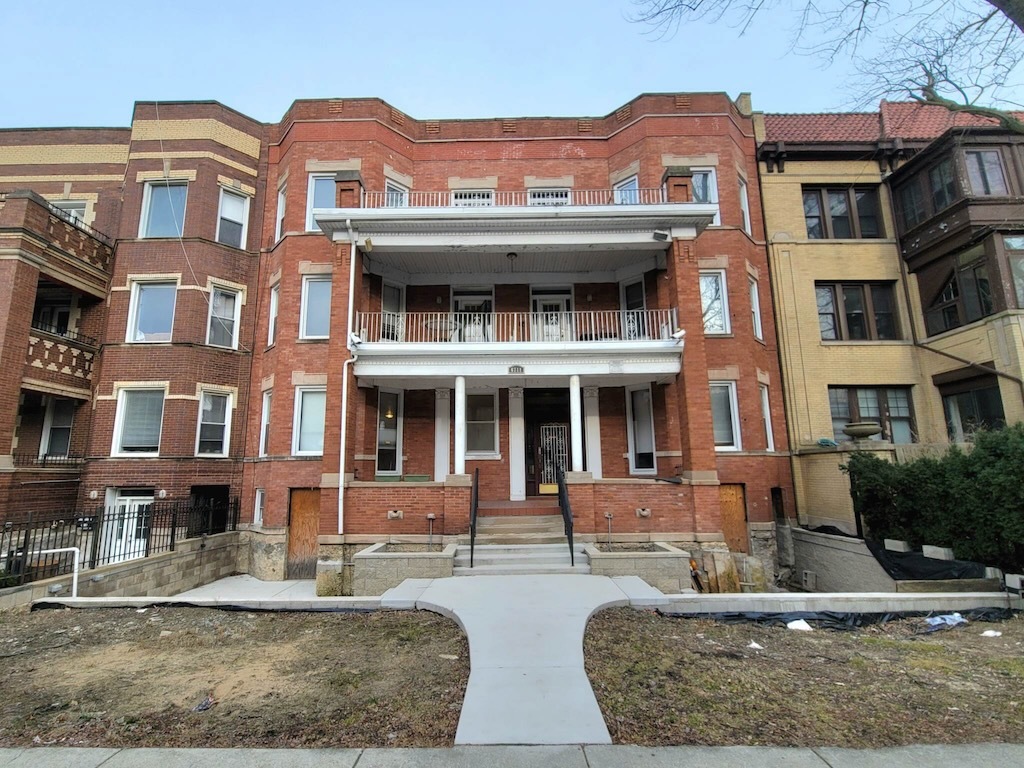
(563,505)
(474,502)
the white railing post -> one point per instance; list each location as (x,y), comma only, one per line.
(74,571)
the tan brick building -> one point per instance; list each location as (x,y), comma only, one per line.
(342,317)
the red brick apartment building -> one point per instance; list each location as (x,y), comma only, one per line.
(341,317)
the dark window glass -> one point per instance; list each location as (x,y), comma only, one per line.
(985,171)
(867,213)
(912,206)
(853,304)
(827,312)
(856,311)
(839,212)
(852,212)
(889,407)
(812,215)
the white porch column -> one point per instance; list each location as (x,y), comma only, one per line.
(516,445)
(592,420)
(460,425)
(575,423)
(442,433)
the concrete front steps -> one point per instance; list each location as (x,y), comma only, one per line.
(519,544)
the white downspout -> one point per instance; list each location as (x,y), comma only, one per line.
(344,375)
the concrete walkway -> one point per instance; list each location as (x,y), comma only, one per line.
(526,684)
(249,588)
(937,756)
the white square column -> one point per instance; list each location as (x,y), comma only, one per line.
(516,445)
(442,433)
(576,423)
(460,425)
(592,421)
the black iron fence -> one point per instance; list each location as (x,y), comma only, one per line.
(129,530)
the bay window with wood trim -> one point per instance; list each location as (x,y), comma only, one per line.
(842,213)
(856,311)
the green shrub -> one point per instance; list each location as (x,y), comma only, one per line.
(971,501)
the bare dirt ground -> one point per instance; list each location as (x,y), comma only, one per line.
(662,681)
(123,677)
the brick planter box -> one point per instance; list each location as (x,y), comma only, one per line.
(376,571)
(667,568)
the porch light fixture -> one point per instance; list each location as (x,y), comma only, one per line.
(512,256)
(389,414)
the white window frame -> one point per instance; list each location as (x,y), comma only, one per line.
(724,288)
(496,452)
(734,413)
(745,206)
(306,280)
(476,198)
(229,406)
(115,446)
(534,196)
(627,185)
(313,177)
(297,417)
(214,288)
(712,190)
(44,439)
(76,210)
(275,305)
(267,403)
(147,198)
(282,200)
(766,417)
(399,433)
(245,216)
(630,432)
(259,505)
(133,310)
(397,192)
(755,309)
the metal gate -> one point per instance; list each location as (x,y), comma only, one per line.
(554,451)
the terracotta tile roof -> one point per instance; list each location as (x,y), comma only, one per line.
(822,127)
(910,120)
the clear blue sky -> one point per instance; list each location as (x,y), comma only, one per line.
(68,63)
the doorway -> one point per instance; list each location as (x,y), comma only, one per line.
(303,523)
(126,526)
(552,315)
(734,517)
(546,416)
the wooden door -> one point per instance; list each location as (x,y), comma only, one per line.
(734,517)
(303,523)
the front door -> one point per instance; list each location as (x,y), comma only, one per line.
(734,517)
(126,529)
(552,320)
(546,413)
(303,517)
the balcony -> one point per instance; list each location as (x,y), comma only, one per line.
(59,360)
(514,199)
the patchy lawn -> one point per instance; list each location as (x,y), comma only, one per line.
(662,680)
(122,677)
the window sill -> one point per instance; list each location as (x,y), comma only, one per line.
(483,456)
(296,455)
(312,339)
(863,342)
(212,456)
(727,448)
(725,335)
(135,455)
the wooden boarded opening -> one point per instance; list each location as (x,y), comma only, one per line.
(734,517)
(303,523)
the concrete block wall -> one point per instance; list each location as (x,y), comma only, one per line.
(838,564)
(375,571)
(667,569)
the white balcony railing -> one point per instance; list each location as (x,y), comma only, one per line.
(516,327)
(494,198)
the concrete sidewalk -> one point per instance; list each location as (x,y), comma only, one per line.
(932,756)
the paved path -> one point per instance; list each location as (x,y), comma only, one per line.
(526,684)
(938,756)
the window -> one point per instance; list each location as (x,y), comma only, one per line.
(138,421)
(72,210)
(233,218)
(889,407)
(268,399)
(970,405)
(473,313)
(841,213)
(214,424)
(634,316)
(912,205)
(640,418)
(321,194)
(472,198)
(755,310)
(315,318)
(549,197)
(725,416)
(856,311)
(395,195)
(745,205)
(282,198)
(482,424)
(714,302)
(389,433)
(392,305)
(964,296)
(985,170)
(627,192)
(766,418)
(1015,249)
(942,181)
(260,505)
(163,209)
(308,426)
(56,438)
(151,311)
(275,299)
(704,188)
(223,322)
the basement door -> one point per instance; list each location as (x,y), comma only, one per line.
(734,517)
(303,523)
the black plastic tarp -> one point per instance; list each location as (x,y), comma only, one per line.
(904,566)
(836,619)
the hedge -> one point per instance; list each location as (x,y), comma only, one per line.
(971,501)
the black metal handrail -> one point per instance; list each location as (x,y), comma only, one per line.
(474,502)
(33,459)
(65,333)
(78,223)
(563,504)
